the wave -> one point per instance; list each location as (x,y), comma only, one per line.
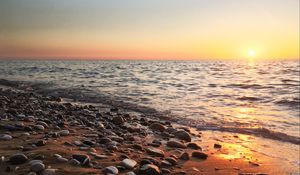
(291,103)
(90,96)
(263,132)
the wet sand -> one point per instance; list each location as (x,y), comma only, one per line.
(78,138)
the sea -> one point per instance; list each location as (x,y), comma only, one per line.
(258,98)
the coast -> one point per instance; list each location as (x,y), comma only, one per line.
(42,134)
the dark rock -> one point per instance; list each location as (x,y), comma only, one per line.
(184,156)
(17,159)
(157,127)
(118,120)
(199,155)
(82,158)
(175,144)
(216,145)
(183,135)
(194,146)
(40,143)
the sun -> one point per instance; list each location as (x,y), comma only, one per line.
(251,53)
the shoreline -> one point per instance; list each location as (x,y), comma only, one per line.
(108,135)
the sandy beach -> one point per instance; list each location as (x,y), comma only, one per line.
(46,135)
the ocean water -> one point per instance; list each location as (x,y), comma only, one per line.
(259,98)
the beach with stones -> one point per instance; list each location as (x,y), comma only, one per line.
(43,135)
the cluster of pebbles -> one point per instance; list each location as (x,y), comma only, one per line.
(45,136)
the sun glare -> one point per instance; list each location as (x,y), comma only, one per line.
(251,53)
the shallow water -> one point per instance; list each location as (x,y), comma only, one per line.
(218,95)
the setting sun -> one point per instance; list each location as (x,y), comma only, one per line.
(251,53)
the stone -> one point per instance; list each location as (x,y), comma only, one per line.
(157,127)
(40,143)
(184,156)
(74,162)
(42,123)
(5,137)
(82,158)
(111,170)
(155,152)
(128,163)
(62,159)
(39,127)
(216,145)
(37,167)
(118,120)
(176,144)
(64,132)
(35,161)
(183,135)
(199,155)
(149,169)
(48,171)
(171,130)
(165,163)
(171,160)
(194,146)
(17,159)
(130,173)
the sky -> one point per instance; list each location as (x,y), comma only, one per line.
(156,29)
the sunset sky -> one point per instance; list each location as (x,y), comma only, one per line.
(156,29)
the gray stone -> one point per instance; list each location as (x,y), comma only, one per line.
(5,137)
(39,127)
(155,152)
(128,163)
(111,170)
(64,132)
(37,167)
(48,172)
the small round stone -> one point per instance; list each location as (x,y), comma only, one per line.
(37,167)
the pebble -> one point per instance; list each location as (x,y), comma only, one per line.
(216,145)
(176,144)
(111,170)
(40,143)
(128,163)
(130,173)
(157,127)
(39,127)
(199,155)
(48,171)
(184,156)
(62,159)
(194,146)
(37,167)
(64,132)
(82,158)
(183,135)
(74,162)
(149,169)
(118,120)
(155,152)
(17,159)
(5,137)
(172,160)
